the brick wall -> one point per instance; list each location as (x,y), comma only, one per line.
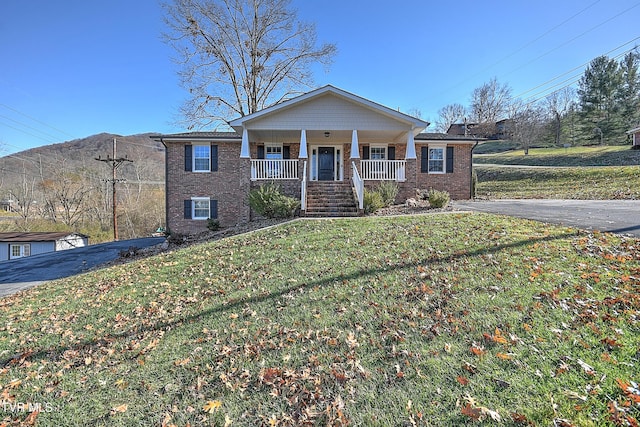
(223,185)
(458,183)
(230,184)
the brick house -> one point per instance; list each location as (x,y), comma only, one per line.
(323,146)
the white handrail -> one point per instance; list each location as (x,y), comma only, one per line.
(358,184)
(274,169)
(303,188)
(383,170)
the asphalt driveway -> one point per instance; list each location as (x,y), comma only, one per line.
(614,216)
(30,271)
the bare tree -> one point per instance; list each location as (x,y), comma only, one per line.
(558,105)
(24,195)
(240,56)
(527,123)
(490,103)
(448,115)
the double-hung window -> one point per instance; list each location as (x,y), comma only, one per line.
(200,206)
(436,159)
(201,158)
(19,251)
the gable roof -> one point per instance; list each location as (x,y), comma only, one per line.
(408,120)
(36,236)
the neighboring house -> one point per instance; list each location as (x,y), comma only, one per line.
(501,129)
(17,244)
(461,129)
(7,205)
(635,135)
(323,146)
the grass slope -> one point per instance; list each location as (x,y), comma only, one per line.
(619,155)
(596,183)
(446,319)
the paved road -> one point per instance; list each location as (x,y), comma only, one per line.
(30,271)
(615,216)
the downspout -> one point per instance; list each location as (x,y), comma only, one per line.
(471,188)
(166,193)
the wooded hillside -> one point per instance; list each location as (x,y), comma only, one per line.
(63,187)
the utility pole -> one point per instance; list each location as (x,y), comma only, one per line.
(115,164)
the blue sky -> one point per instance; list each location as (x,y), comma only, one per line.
(74,68)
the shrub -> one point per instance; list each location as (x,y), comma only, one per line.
(388,191)
(372,201)
(438,199)
(422,194)
(213,224)
(269,202)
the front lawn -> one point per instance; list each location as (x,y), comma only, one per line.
(442,319)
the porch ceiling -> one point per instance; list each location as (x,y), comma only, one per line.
(335,136)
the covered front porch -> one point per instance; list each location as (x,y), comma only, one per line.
(307,156)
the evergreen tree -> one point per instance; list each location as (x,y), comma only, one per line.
(629,96)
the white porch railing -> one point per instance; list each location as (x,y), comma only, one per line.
(273,169)
(384,170)
(358,184)
(303,188)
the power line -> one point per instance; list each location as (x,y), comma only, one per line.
(573,39)
(572,81)
(521,48)
(27,126)
(36,120)
(581,66)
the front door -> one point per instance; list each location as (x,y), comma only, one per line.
(326,163)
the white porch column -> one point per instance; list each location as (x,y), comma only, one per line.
(355,150)
(244,149)
(411,147)
(303,145)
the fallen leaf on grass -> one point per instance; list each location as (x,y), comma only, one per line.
(462,380)
(212,406)
(478,350)
(121,408)
(573,395)
(587,368)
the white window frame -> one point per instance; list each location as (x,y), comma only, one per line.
(196,157)
(195,200)
(24,250)
(273,151)
(442,148)
(377,147)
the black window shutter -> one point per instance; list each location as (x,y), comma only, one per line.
(424,159)
(365,152)
(391,153)
(213,209)
(188,162)
(214,158)
(261,151)
(286,152)
(187,209)
(449,159)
